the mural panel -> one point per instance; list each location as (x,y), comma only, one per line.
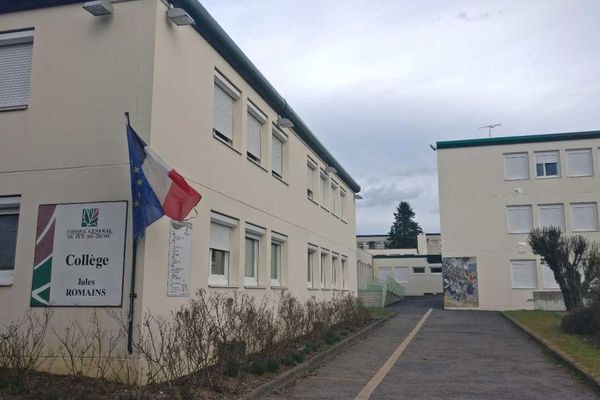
(460,282)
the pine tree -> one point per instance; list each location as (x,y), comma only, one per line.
(404,230)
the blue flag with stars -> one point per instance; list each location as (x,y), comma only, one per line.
(145,205)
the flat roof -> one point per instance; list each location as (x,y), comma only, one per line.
(499,141)
(212,32)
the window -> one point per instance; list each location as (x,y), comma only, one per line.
(584,217)
(549,281)
(547,164)
(520,219)
(311,173)
(277,241)
(225,96)
(279,140)
(335,260)
(418,270)
(516,166)
(324,189)
(16,50)
(334,198)
(254,129)
(343,272)
(401,274)
(435,270)
(342,204)
(372,245)
(310,266)
(384,272)
(9,223)
(524,274)
(324,262)
(579,162)
(254,234)
(552,215)
(221,233)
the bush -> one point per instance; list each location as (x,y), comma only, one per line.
(582,321)
(272,365)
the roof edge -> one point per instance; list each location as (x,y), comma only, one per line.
(506,140)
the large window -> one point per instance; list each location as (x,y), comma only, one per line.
(278,160)
(9,223)
(549,281)
(344,272)
(547,164)
(221,234)
(15,69)
(254,128)
(335,261)
(324,189)
(579,162)
(324,268)
(225,97)
(516,166)
(343,204)
(584,217)
(552,215)
(311,176)
(520,219)
(277,260)
(251,262)
(335,198)
(401,274)
(310,266)
(524,274)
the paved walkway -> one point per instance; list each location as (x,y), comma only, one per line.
(456,355)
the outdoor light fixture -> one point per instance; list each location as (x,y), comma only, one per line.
(358,196)
(331,170)
(98,7)
(285,122)
(179,16)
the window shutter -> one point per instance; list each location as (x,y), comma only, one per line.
(223,112)
(584,216)
(323,189)
(220,237)
(516,166)
(552,215)
(310,178)
(15,74)
(277,155)
(549,281)
(254,130)
(524,275)
(547,157)
(402,275)
(579,162)
(520,219)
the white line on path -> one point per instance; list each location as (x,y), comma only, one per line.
(370,387)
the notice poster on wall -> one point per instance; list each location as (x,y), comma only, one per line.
(79,255)
(460,282)
(180,258)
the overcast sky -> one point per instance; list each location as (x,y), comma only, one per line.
(378,81)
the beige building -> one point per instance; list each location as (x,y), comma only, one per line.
(492,193)
(418,270)
(278,211)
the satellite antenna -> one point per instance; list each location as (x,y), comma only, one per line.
(490,127)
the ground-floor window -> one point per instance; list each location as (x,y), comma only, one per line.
(310,266)
(9,223)
(251,262)
(275,264)
(220,252)
(324,259)
(524,274)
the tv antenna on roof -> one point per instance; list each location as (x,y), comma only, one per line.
(490,127)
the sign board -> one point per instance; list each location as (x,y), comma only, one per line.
(79,255)
(180,258)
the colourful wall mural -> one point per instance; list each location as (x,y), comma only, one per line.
(460,282)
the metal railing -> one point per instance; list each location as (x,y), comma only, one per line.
(385,286)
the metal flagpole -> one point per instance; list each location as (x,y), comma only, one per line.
(132,294)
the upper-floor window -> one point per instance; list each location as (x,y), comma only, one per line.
(552,215)
(520,219)
(584,217)
(547,164)
(579,162)
(9,222)
(516,166)
(16,50)
(254,130)
(524,274)
(311,176)
(225,98)
(324,189)
(335,194)
(343,204)
(278,160)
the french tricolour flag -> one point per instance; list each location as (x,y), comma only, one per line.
(156,188)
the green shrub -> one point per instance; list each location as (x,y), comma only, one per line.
(272,365)
(288,360)
(331,337)
(258,367)
(582,321)
(298,357)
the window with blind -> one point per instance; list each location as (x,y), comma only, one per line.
(547,164)
(324,264)
(220,250)
(552,215)
(16,50)
(334,271)
(549,281)
(343,272)
(275,264)
(334,198)
(343,204)
(324,189)
(311,173)
(225,97)
(516,166)
(520,219)
(9,223)
(579,162)
(251,261)
(524,274)
(277,154)
(401,274)
(310,266)
(254,130)
(584,217)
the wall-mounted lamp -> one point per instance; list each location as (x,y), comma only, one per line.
(98,7)
(284,122)
(179,16)
(331,170)
(432,147)
(358,196)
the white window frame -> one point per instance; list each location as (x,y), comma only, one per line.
(573,152)
(335,259)
(508,157)
(256,114)
(419,273)
(335,194)
(545,153)
(10,205)
(521,263)
(311,174)
(344,271)
(584,205)
(542,207)
(343,204)
(549,281)
(324,188)
(435,266)
(406,271)
(231,223)
(278,240)
(310,265)
(14,38)
(324,255)
(255,233)
(519,207)
(278,135)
